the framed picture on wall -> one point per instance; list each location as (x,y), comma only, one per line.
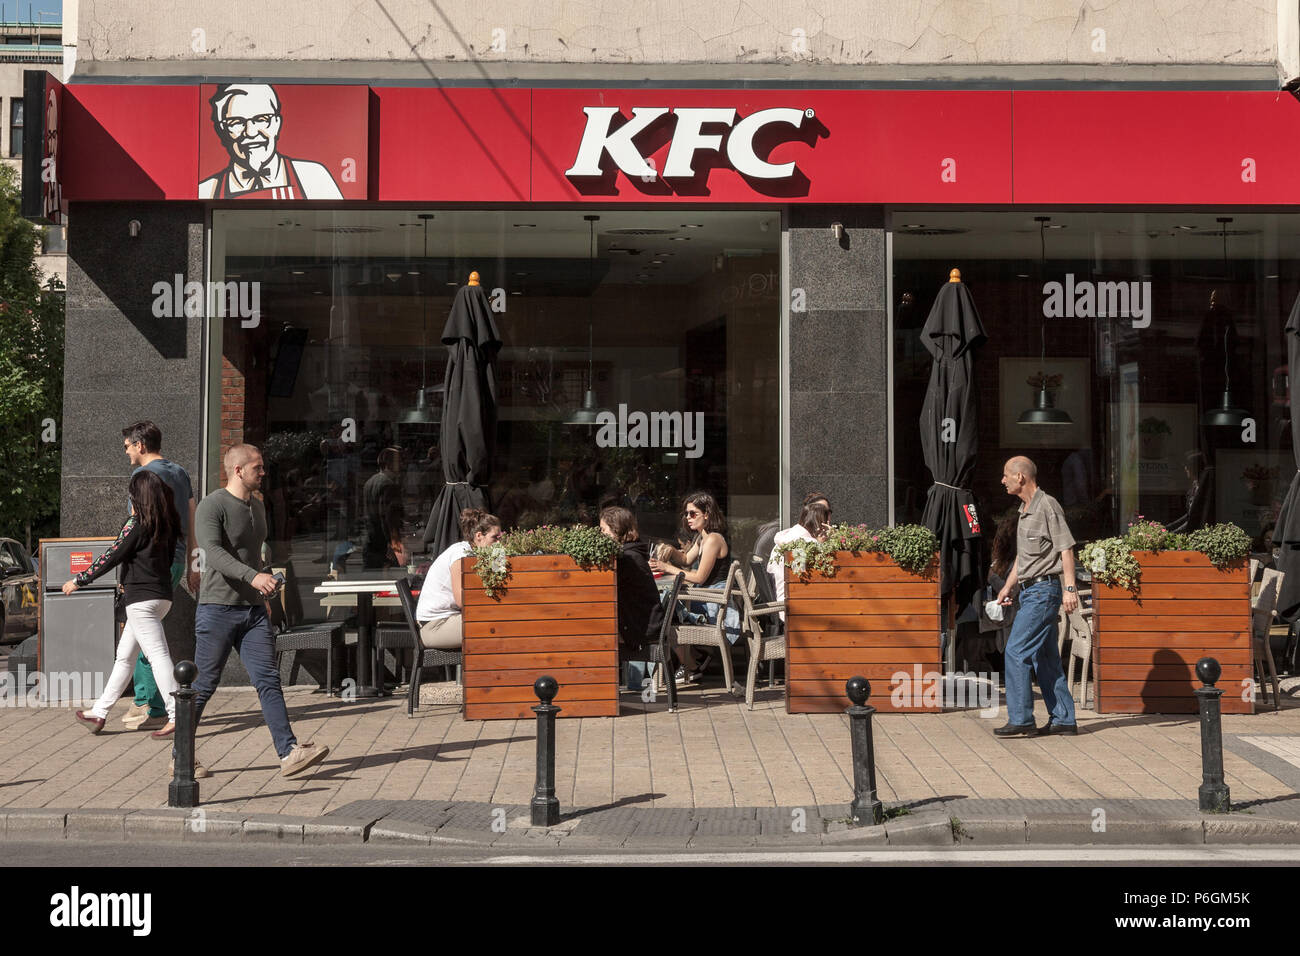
(1161,435)
(1068,382)
(1250,486)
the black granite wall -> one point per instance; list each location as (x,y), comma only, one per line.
(123,364)
(839,421)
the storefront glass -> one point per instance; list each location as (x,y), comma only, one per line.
(1138,322)
(658,312)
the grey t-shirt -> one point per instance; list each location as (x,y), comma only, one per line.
(178,480)
(1041,536)
(230,532)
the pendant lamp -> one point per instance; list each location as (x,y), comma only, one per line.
(1044,410)
(421,413)
(586,414)
(1226,415)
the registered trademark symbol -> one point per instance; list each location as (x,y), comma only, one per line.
(808,114)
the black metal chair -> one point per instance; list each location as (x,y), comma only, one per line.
(661,652)
(293,635)
(407,638)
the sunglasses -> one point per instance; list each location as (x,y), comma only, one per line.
(693,514)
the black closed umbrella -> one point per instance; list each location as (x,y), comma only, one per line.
(1286,533)
(950,440)
(469,414)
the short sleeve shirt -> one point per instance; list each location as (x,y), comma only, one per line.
(1041,536)
(436,598)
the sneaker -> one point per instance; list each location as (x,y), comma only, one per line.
(143,722)
(200,771)
(166,730)
(680,678)
(135,711)
(302,757)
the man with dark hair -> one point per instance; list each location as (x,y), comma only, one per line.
(142,442)
(1043,558)
(231,525)
(382,494)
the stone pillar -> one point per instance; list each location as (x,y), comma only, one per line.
(839,394)
(122,363)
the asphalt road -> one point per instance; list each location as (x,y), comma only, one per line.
(118,854)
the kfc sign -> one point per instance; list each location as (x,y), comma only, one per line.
(42,105)
(688,137)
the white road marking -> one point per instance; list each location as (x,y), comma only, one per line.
(1091,854)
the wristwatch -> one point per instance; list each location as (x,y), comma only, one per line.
(1069,588)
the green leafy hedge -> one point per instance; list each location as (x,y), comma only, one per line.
(588,547)
(911,546)
(1111,561)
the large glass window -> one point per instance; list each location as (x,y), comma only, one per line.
(1156,338)
(667,314)
(15,127)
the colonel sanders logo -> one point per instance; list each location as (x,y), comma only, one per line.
(248,121)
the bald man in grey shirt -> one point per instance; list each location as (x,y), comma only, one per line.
(230,527)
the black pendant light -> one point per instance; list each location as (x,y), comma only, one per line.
(1226,415)
(1044,410)
(586,415)
(421,413)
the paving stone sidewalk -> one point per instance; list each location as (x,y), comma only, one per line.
(714,774)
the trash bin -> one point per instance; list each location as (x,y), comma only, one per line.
(78,633)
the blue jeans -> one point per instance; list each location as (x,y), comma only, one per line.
(218,628)
(1032,644)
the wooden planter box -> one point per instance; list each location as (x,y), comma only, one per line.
(554,618)
(1148,645)
(872,619)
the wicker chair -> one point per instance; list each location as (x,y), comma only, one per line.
(766,642)
(292,635)
(715,634)
(1262,606)
(406,637)
(661,653)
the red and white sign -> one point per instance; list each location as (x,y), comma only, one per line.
(283,142)
(79,561)
(650,147)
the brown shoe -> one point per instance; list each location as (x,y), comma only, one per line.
(200,771)
(302,757)
(94,724)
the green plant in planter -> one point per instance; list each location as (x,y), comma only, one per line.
(1111,561)
(911,546)
(588,547)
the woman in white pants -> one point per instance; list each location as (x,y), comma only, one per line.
(144,548)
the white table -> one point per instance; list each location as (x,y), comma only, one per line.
(364,591)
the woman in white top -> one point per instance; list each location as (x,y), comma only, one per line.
(439,609)
(814,523)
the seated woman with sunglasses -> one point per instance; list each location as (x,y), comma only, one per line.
(705,564)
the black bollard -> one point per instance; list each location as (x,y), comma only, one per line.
(546,808)
(865,803)
(183,791)
(1213,792)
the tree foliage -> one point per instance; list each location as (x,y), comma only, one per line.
(31,378)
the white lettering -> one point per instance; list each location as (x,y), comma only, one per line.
(653,430)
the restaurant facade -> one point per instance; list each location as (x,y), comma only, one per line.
(716,287)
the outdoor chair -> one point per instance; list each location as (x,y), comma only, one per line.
(1262,607)
(293,635)
(1080,627)
(405,636)
(661,653)
(712,635)
(766,643)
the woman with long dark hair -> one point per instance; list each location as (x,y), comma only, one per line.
(709,559)
(145,548)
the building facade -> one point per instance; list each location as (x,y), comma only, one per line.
(728,224)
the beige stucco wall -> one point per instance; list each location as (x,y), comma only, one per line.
(832,32)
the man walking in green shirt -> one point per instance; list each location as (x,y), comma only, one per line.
(230,525)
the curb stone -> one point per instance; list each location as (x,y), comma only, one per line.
(399,831)
(271,828)
(920,828)
(166,823)
(38,824)
(95,824)
(337,830)
(839,833)
(216,826)
(1231,828)
(1008,832)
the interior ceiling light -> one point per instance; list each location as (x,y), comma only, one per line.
(1044,410)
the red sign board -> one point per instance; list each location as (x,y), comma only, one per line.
(79,561)
(869,146)
(649,147)
(43,103)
